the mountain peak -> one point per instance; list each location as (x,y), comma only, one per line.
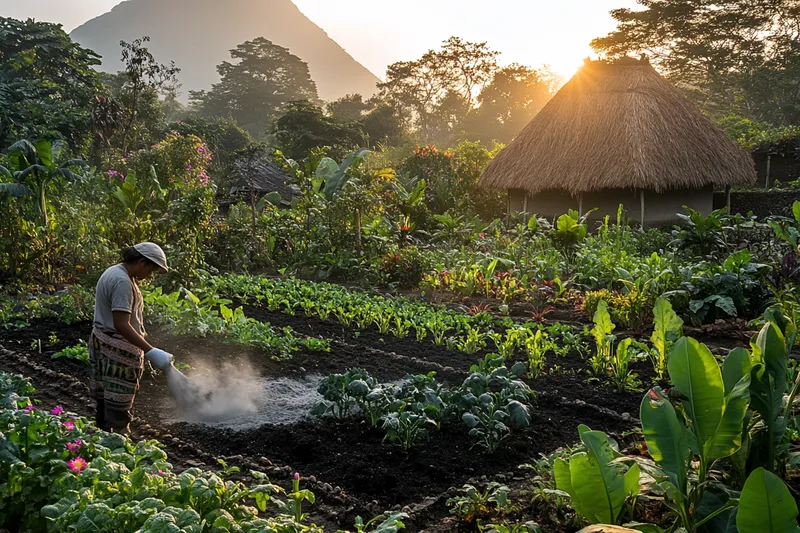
(199,34)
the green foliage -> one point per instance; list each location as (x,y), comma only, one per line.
(255,88)
(598,484)
(61,474)
(766,505)
(667,330)
(473,504)
(713,403)
(741,58)
(78,353)
(603,337)
(47,83)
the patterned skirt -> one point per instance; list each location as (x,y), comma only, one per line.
(117,367)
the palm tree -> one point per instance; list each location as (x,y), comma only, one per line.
(34,167)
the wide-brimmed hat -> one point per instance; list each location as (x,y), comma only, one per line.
(154,253)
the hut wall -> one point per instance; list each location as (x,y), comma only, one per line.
(660,208)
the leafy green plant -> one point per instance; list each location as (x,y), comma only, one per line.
(603,338)
(78,353)
(338,398)
(667,330)
(619,365)
(385,523)
(599,485)
(473,504)
(407,428)
(536,346)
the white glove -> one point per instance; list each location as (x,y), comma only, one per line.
(159,358)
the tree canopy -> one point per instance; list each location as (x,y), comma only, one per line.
(47,83)
(257,86)
(740,56)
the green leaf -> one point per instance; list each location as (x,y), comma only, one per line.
(766,505)
(694,372)
(728,437)
(796,210)
(769,378)
(598,486)
(735,367)
(726,304)
(667,325)
(666,437)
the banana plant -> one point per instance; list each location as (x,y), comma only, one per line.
(707,426)
(598,483)
(36,166)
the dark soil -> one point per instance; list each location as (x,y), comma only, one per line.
(372,476)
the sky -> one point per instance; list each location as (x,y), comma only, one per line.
(380,32)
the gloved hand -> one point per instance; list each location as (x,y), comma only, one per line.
(159,358)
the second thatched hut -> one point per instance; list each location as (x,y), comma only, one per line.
(618,133)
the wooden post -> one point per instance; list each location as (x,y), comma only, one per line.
(580,205)
(641,202)
(728,198)
(525,203)
(769,161)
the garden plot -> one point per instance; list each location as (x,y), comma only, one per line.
(346,453)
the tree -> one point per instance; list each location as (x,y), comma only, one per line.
(513,97)
(348,108)
(304,127)
(441,87)
(738,56)
(256,88)
(139,86)
(47,83)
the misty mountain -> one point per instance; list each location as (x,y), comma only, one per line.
(198,35)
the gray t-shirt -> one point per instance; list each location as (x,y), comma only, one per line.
(116,291)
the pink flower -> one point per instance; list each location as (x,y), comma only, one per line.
(158,472)
(29,409)
(188,166)
(57,410)
(74,446)
(70,425)
(297,476)
(77,465)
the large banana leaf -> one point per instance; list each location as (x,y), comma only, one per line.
(769,379)
(766,505)
(736,365)
(666,437)
(728,437)
(597,485)
(695,373)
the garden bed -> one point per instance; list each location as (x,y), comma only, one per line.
(356,472)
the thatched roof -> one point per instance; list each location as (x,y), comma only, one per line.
(259,174)
(619,125)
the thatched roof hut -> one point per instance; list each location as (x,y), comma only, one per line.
(257,174)
(618,129)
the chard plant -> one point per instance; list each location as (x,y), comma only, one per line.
(473,504)
(667,330)
(536,346)
(604,339)
(626,351)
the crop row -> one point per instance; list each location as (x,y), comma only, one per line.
(184,313)
(399,316)
(62,474)
(491,401)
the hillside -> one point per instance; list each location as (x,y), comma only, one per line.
(198,34)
